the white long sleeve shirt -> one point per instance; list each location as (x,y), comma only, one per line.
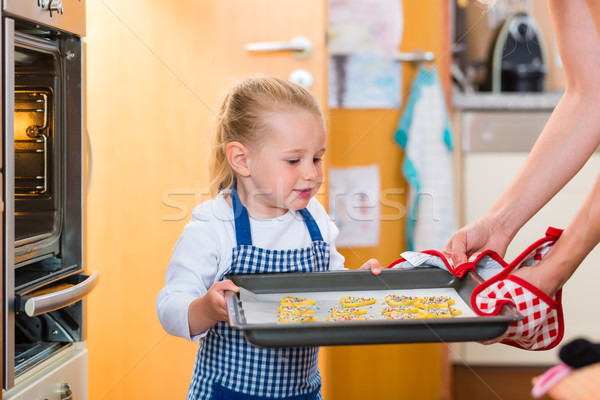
(202,255)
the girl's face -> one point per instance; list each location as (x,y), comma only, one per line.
(286,170)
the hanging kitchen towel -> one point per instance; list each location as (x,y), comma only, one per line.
(542,326)
(424,134)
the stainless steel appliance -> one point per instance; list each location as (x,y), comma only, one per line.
(518,57)
(44,278)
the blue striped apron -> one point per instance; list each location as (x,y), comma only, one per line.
(227,366)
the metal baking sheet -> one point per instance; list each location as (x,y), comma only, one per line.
(371,331)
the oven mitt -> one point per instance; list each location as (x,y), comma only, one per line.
(487,263)
(542,326)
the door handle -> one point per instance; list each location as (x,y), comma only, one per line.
(36,305)
(300,46)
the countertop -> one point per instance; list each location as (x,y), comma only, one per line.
(489,101)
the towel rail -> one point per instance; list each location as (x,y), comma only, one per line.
(417,56)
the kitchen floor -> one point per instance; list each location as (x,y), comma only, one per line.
(494,383)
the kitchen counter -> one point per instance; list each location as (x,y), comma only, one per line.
(489,101)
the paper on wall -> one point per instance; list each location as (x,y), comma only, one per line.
(363,37)
(354,205)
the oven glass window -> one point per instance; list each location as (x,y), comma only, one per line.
(37,154)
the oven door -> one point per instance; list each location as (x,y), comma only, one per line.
(38,148)
(45,285)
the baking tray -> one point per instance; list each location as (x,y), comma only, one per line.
(377,331)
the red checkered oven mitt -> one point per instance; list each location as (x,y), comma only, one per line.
(542,327)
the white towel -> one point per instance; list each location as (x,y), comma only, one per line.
(424,133)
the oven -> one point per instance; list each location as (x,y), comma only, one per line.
(44,279)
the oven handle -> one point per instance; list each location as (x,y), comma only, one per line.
(38,305)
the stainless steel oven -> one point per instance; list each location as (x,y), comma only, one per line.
(45,282)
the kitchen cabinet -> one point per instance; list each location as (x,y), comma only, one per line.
(495,143)
(365,137)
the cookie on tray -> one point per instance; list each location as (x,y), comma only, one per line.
(398,300)
(296,301)
(351,301)
(433,301)
(348,311)
(297,318)
(346,317)
(291,310)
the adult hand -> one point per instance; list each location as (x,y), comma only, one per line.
(480,235)
(372,265)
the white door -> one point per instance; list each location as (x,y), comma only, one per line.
(155,71)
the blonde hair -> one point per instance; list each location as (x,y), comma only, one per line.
(243,117)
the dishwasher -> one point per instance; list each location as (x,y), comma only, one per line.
(494,146)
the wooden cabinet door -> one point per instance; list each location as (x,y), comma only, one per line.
(365,137)
(154,72)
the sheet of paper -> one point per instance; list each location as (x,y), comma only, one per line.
(363,81)
(263,308)
(365,26)
(363,37)
(354,205)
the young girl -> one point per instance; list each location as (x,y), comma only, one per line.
(267,166)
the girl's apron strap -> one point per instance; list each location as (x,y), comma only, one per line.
(241,220)
(313,228)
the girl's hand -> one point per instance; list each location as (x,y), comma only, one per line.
(372,265)
(211,308)
(214,300)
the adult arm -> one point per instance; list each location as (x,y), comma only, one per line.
(564,145)
(578,239)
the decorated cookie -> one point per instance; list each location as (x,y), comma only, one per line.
(348,311)
(296,301)
(346,317)
(439,312)
(396,300)
(399,309)
(401,315)
(433,301)
(296,318)
(291,310)
(351,301)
